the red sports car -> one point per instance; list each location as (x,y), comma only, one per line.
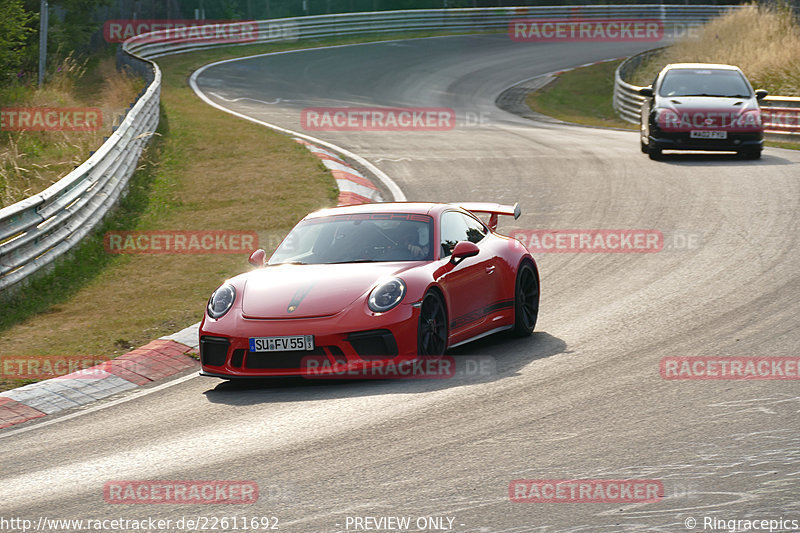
(366,284)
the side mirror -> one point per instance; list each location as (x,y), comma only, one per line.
(462,250)
(761,93)
(258,258)
(646,91)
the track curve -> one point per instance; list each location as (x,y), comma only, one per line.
(582,398)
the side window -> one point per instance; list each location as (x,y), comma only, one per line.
(475,230)
(453,230)
(458,227)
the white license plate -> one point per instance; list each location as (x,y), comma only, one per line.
(695,134)
(292,343)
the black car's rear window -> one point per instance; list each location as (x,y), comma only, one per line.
(704,82)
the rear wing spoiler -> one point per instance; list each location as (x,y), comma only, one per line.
(493,210)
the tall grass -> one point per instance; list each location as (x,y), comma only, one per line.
(763,40)
(31,161)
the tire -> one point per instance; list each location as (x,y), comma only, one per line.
(643,146)
(432,325)
(526,300)
(653,152)
(750,154)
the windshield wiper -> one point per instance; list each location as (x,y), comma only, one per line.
(717,95)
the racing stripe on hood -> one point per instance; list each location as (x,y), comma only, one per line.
(298,297)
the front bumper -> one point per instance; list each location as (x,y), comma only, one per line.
(736,141)
(383,339)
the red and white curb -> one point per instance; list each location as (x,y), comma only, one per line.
(354,187)
(154,361)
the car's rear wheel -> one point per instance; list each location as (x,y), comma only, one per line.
(642,145)
(526,300)
(432,328)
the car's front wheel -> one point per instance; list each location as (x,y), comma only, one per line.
(432,328)
(653,152)
(751,154)
(526,300)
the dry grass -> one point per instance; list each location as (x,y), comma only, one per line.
(763,40)
(256,180)
(31,161)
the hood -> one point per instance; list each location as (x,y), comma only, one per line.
(303,291)
(686,113)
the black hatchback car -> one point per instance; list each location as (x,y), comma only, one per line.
(700,106)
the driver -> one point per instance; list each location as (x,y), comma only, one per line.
(410,240)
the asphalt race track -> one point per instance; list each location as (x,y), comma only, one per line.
(582,398)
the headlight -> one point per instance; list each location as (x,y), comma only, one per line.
(750,120)
(387,295)
(667,119)
(221,300)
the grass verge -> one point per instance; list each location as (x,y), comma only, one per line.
(31,161)
(582,96)
(103,305)
(761,39)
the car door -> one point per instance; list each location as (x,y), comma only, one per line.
(470,285)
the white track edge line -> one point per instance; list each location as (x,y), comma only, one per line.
(133,394)
(394,189)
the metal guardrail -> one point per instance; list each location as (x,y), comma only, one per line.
(36,231)
(158,43)
(40,229)
(779,114)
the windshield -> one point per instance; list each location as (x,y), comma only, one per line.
(705,82)
(363,237)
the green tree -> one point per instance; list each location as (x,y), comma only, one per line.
(73,29)
(16,27)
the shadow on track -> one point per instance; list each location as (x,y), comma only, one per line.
(503,357)
(719,159)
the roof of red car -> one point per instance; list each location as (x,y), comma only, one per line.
(423,208)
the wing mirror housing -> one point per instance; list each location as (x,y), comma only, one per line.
(258,258)
(462,250)
(646,91)
(761,94)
